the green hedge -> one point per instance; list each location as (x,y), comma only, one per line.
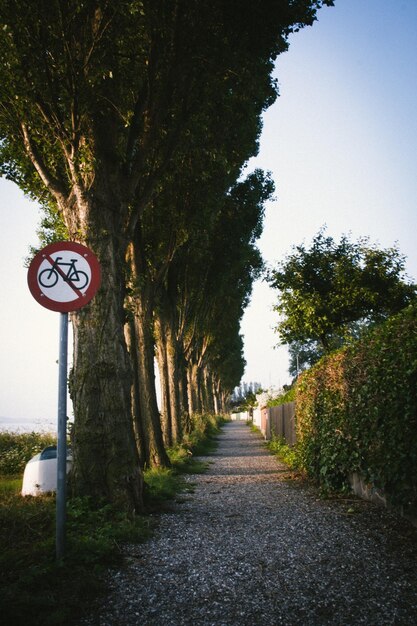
(357,411)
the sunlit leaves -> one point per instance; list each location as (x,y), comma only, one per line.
(327,289)
(357,412)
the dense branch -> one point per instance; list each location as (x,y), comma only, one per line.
(48,179)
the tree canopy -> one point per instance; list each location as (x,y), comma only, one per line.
(331,290)
(133,119)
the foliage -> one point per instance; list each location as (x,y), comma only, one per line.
(303,354)
(322,423)
(165,483)
(51,229)
(357,412)
(16,449)
(202,438)
(161,483)
(34,588)
(134,120)
(283,398)
(329,291)
(287,454)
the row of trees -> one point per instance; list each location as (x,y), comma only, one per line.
(332,291)
(239,393)
(132,120)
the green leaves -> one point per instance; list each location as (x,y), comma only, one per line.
(330,291)
(357,412)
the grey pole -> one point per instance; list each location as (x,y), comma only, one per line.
(62,438)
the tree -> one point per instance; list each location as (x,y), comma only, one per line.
(97,97)
(330,291)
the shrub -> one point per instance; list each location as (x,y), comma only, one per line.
(16,449)
(357,411)
(288,455)
(203,428)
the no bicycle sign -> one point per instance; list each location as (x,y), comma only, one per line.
(64,276)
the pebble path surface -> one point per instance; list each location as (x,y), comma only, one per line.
(250,547)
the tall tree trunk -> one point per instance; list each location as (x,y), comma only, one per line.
(209,388)
(106,462)
(172,353)
(142,308)
(206,391)
(161,351)
(138,422)
(216,402)
(194,395)
(168,359)
(183,392)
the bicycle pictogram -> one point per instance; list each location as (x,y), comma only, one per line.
(72,275)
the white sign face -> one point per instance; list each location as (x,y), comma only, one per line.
(64,276)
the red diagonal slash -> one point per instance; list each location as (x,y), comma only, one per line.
(63,275)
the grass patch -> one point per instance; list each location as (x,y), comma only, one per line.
(286,454)
(34,589)
(10,485)
(183,461)
(201,441)
(254,429)
(162,484)
(279,447)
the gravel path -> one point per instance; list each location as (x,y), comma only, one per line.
(250,547)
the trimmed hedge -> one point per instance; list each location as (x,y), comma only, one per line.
(357,412)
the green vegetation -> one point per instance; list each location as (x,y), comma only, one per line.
(288,396)
(279,447)
(17,448)
(34,589)
(286,454)
(158,111)
(357,412)
(331,292)
(165,483)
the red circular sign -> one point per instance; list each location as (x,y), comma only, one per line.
(64,276)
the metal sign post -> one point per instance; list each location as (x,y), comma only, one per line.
(63,277)
(61,487)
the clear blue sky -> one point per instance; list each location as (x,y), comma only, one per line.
(341,143)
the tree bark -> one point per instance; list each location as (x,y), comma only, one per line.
(106,463)
(171,371)
(138,422)
(142,309)
(161,350)
(194,395)
(183,392)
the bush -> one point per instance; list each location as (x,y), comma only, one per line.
(16,449)
(357,411)
(204,427)
(288,455)
(323,437)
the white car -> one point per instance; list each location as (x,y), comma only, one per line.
(40,475)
